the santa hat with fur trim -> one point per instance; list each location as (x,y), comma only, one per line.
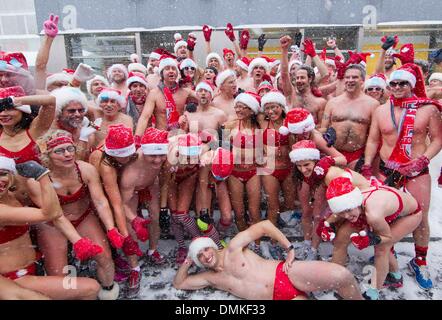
(376,80)
(244,63)
(7,164)
(155,142)
(304,150)
(136,77)
(197,245)
(250,99)
(156,54)
(226,51)
(120,66)
(274,96)
(65,95)
(293,62)
(222,164)
(259,62)
(95,78)
(179,42)
(206,86)
(221,77)
(187,63)
(16,91)
(217,57)
(265,85)
(411,73)
(110,93)
(119,141)
(342,195)
(435,76)
(297,121)
(189,145)
(137,67)
(59,77)
(167,61)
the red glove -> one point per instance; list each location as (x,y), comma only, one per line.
(130,247)
(367,171)
(439,181)
(309,48)
(191,42)
(116,239)
(85,249)
(414,167)
(340,67)
(244,40)
(229,32)
(50,26)
(406,54)
(364,239)
(207,31)
(326,230)
(354,58)
(137,141)
(140,227)
(320,170)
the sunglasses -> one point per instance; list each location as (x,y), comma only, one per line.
(60,151)
(73,111)
(374,89)
(6,104)
(401,84)
(189,68)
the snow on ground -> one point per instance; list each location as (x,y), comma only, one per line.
(157,281)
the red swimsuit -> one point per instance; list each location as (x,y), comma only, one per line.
(242,141)
(275,139)
(29,152)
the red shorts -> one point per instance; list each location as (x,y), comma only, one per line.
(353,155)
(244,176)
(283,289)
(144,196)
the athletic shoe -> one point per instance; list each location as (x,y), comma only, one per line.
(133,287)
(392,282)
(156,258)
(371,294)
(122,269)
(421,274)
(181,255)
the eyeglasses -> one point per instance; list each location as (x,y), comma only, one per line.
(402,84)
(189,68)
(374,89)
(60,151)
(73,111)
(210,71)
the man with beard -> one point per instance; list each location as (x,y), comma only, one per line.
(349,115)
(386,60)
(405,153)
(226,83)
(137,95)
(117,75)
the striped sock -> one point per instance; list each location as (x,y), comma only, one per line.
(212,233)
(177,230)
(188,223)
(421,255)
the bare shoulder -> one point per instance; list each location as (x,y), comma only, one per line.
(370,101)
(334,101)
(86,169)
(231,124)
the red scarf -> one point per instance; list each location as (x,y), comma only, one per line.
(172,114)
(138,100)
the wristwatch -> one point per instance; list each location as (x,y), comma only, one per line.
(290,247)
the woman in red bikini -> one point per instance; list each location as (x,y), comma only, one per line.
(279,167)
(385,215)
(244,175)
(18,127)
(81,196)
(18,258)
(300,123)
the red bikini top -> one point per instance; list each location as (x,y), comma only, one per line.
(279,139)
(81,193)
(9,233)
(243,141)
(29,152)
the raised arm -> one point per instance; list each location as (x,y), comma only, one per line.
(285,43)
(184,281)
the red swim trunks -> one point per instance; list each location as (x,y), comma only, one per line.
(353,156)
(283,289)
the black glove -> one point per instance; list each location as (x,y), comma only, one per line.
(31,169)
(6,103)
(330,136)
(298,39)
(261,42)
(388,43)
(191,107)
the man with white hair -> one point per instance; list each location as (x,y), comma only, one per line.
(227,86)
(117,75)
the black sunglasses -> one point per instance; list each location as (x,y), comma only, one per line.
(401,84)
(189,68)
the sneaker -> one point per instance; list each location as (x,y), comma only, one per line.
(421,275)
(156,258)
(181,255)
(276,252)
(122,269)
(392,282)
(371,294)
(133,287)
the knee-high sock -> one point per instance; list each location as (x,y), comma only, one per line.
(177,230)
(212,233)
(188,223)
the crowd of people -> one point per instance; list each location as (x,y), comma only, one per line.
(154,150)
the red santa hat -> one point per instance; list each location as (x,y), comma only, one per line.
(259,62)
(189,145)
(167,61)
(137,67)
(187,63)
(406,53)
(274,96)
(119,66)
(265,85)
(155,142)
(7,164)
(226,51)
(14,62)
(221,77)
(111,93)
(179,42)
(199,244)
(156,54)
(294,62)
(222,164)
(244,63)
(411,73)
(377,80)
(273,62)
(16,91)
(119,141)
(435,76)
(95,78)
(297,121)
(217,57)
(206,86)
(342,195)
(63,76)
(250,99)
(65,95)
(304,150)
(136,77)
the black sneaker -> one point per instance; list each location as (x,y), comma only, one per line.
(164,220)
(392,282)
